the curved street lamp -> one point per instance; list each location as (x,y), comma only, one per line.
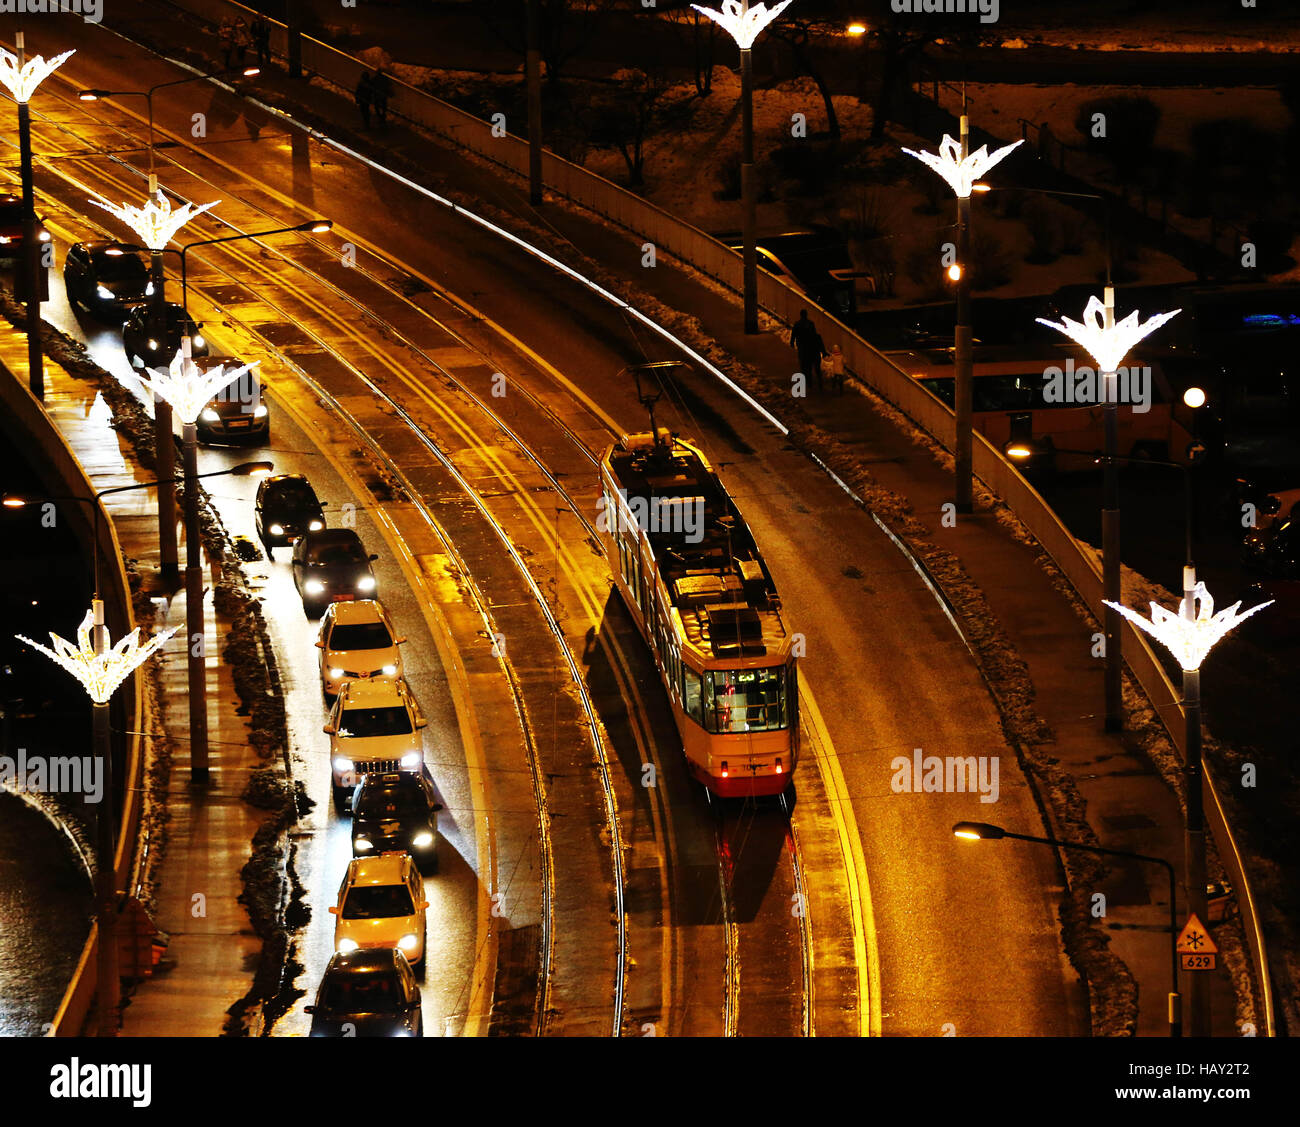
(22,78)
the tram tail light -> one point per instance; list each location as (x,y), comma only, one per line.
(724,769)
(779,768)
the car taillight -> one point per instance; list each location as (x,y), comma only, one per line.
(724,768)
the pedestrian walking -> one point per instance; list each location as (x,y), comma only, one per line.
(243,40)
(364,95)
(836,364)
(262,41)
(226,37)
(809,346)
(382,88)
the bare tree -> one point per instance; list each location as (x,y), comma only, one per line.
(794,31)
(631,107)
(565,27)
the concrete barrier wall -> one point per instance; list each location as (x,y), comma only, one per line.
(704,253)
(39,443)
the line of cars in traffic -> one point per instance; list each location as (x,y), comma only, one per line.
(377,771)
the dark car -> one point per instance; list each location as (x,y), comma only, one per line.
(286,507)
(237,413)
(396,810)
(815,259)
(144,351)
(371,992)
(106,279)
(11,227)
(1274,551)
(330,565)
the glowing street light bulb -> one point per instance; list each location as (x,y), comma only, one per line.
(101,673)
(960,173)
(1194,397)
(188,389)
(857,29)
(954,271)
(1189,638)
(1107,345)
(23,80)
(155,223)
(743,21)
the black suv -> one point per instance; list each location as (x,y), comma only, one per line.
(367,993)
(286,507)
(144,351)
(106,279)
(396,810)
(329,565)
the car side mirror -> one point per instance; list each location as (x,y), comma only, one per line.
(373,556)
(422,723)
(319,644)
(422,905)
(330,729)
(334,909)
(309,1009)
(437,806)
(398,641)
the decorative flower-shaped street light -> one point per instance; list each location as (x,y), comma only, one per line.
(1104,339)
(961,168)
(1189,636)
(100,673)
(156,223)
(189,390)
(744,22)
(21,79)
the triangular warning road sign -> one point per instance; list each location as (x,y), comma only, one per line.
(1194,939)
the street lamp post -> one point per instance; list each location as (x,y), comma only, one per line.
(22,78)
(1189,636)
(1108,343)
(156,223)
(961,168)
(188,391)
(985,831)
(745,22)
(101,669)
(312,226)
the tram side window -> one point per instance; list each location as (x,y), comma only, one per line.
(692,702)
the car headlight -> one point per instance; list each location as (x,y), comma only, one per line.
(362,843)
(389,671)
(259,412)
(345,945)
(104,292)
(313,587)
(342,764)
(315,525)
(335,672)
(44,236)
(422,840)
(411,759)
(366,583)
(4,240)
(148,290)
(153,345)
(208,415)
(277,530)
(198,341)
(409,942)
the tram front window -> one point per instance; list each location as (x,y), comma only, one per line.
(745,700)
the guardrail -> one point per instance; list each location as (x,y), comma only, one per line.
(43,447)
(704,253)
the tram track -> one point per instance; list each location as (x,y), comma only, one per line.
(574,439)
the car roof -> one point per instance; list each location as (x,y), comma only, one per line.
(360,610)
(332,536)
(286,479)
(364,960)
(387,868)
(391,780)
(374,693)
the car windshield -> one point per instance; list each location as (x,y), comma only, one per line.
(391,802)
(360,636)
(362,994)
(360,723)
(11,212)
(297,499)
(378,902)
(119,267)
(335,555)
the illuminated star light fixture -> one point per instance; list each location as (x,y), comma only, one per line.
(101,674)
(23,80)
(188,389)
(1107,346)
(155,223)
(744,22)
(959,173)
(1189,638)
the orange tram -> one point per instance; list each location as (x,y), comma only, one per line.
(692,577)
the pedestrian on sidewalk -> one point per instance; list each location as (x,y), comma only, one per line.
(226,36)
(836,364)
(364,95)
(262,40)
(809,346)
(382,87)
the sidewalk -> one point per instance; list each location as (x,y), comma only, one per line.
(207,963)
(1128,804)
